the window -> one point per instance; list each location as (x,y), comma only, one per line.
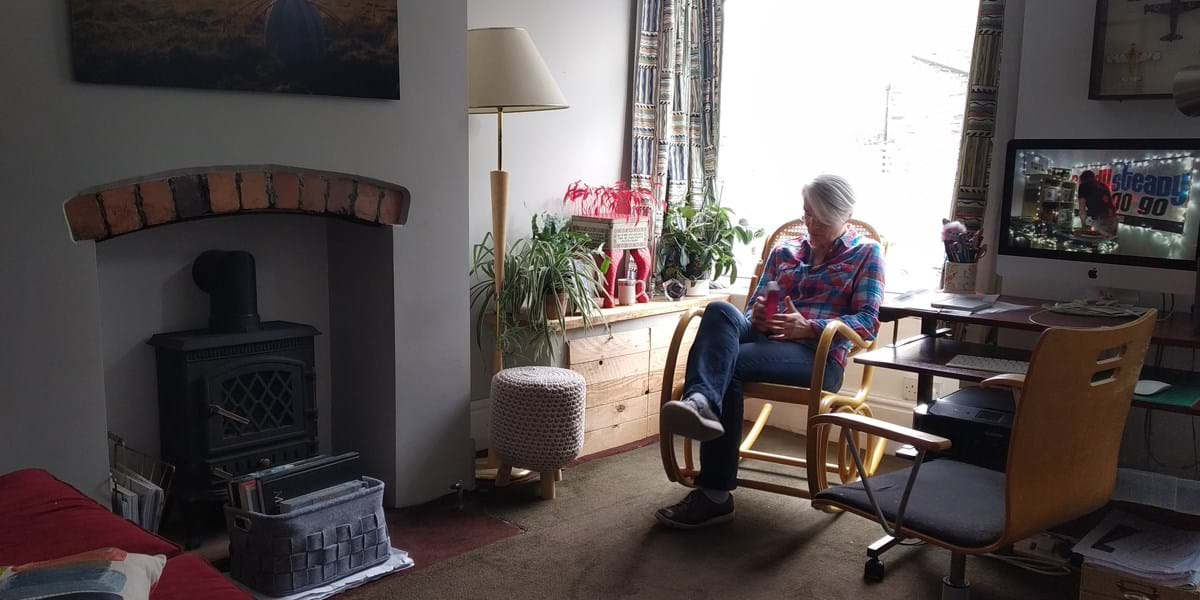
(870,90)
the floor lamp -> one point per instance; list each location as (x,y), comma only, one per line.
(505,74)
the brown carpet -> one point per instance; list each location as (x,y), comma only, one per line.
(438,531)
(600,540)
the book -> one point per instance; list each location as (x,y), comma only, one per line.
(128,503)
(234,485)
(247,494)
(293,504)
(967,302)
(310,477)
(120,501)
(150,497)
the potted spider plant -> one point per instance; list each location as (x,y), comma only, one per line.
(547,276)
(697,243)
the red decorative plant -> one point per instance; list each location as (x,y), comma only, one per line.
(610,202)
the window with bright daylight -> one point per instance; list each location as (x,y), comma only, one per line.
(870,90)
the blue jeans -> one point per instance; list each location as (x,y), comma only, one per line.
(727,352)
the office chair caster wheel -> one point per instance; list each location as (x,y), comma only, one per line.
(874,570)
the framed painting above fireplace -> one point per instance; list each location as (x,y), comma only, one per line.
(329,47)
(1138,46)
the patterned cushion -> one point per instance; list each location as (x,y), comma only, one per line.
(104,574)
(537,416)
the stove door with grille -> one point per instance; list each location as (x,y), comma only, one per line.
(256,402)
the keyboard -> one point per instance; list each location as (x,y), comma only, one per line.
(985,363)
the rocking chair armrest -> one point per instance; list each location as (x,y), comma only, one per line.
(917,439)
(673,349)
(834,328)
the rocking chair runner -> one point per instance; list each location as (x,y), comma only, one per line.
(818,401)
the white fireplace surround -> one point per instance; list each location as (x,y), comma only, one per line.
(398,296)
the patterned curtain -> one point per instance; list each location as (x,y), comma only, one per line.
(975,156)
(676,97)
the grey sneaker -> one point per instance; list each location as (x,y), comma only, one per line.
(692,417)
(696,511)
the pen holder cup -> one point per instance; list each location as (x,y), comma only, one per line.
(959,277)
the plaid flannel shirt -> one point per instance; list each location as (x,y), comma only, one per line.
(847,286)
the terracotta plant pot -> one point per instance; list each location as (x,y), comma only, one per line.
(556,304)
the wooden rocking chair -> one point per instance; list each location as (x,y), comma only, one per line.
(818,401)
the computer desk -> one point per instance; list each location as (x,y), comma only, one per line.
(927,354)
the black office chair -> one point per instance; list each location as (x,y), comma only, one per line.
(1062,460)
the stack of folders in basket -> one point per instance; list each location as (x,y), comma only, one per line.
(287,488)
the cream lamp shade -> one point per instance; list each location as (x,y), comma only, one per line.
(506,73)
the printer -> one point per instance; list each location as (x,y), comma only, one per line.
(976,420)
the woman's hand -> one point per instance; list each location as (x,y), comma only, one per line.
(789,325)
(758,315)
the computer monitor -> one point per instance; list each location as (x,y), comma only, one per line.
(1078,215)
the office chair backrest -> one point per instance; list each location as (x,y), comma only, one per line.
(794,229)
(1062,460)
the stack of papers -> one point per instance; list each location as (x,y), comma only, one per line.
(1155,489)
(1142,549)
(398,561)
(137,499)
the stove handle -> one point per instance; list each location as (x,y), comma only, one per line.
(213,409)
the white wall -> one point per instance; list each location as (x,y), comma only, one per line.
(433,445)
(59,137)
(1055,65)
(586,45)
(362,309)
(146,288)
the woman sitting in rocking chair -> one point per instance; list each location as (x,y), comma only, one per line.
(832,273)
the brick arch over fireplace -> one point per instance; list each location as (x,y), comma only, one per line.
(127,206)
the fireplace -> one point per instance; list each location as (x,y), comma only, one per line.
(332,256)
(235,397)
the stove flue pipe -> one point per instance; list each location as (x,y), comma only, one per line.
(229,279)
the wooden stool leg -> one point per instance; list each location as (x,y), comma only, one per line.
(503,475)
(547,485)
(558,475)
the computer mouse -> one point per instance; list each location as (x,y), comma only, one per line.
(1149,387)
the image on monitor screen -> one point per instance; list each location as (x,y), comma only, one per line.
(1112,205)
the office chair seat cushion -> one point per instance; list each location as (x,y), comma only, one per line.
(958,503)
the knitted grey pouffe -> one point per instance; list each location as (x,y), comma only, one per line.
(537,418)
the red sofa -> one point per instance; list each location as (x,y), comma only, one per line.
(44,518)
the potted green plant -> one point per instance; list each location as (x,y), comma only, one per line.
(697,243)
(547,277)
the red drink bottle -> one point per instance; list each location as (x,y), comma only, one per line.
(774,296)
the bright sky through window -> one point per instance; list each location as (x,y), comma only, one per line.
(872,90)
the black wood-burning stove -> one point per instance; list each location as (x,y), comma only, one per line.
(236,397)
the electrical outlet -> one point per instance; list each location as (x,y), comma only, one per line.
(910,389)
(1043,545)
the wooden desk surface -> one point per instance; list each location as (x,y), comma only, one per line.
(928,355)
(1175,331)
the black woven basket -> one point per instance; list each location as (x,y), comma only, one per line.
(283,554)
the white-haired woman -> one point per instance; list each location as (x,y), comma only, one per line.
(832,273)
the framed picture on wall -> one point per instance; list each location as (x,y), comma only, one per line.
(1139,45)
(328,47)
